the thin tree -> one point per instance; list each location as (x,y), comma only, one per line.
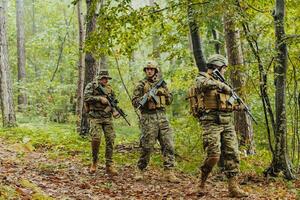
(280,160)
(155,38)
(216,41)
(22,99)
(91,64)
(81,65)
(243,124)
(6,94)
(196,40)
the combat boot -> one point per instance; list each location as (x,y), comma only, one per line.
(93,168)
(111,170)
(200,187)
(203,178)
(171,177)
(234,190)
(139,175)
(95,151)
(207,167)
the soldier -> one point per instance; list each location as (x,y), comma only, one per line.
(100,119)
(154,123)
(216,117)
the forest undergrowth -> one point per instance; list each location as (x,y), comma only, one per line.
(41,160)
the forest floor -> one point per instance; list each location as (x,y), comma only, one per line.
(27,173)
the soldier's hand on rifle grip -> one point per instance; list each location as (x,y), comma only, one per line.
(103,100)
(239,107)
(116,114)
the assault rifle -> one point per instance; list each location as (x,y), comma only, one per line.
(113,103)
(234,96)
(151,94)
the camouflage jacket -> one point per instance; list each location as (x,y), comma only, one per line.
(206,82)
(92,101)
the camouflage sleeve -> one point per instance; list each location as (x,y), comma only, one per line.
(204,83)
(138,92)
(88,94)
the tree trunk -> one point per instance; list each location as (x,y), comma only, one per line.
(81,65)
(22,99)
(155,39)
(216,41)
(243,124)
(33,16)
(280,161)
(196,40)
(33,60)
(91,65)
(7,105)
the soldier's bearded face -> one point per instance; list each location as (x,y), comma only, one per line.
(150,72)
(103,81)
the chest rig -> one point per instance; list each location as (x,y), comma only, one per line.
(98,105)
(209,100)
(161,94)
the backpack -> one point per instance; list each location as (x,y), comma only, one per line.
(195,98)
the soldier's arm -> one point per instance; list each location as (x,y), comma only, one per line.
(204,84)
(138,92)
(88,94)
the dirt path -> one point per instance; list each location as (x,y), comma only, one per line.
(31,174)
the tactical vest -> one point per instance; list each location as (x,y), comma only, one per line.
(98,105)
(150,105)
(210,100)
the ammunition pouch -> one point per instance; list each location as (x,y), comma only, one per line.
(212,100)
(162,99)
(196,101)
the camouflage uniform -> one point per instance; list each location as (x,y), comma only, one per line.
(100,120)
(215,113)
(219,131)
(154,125)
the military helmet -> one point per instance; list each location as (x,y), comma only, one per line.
(151,65)
(103,74)
(216,60)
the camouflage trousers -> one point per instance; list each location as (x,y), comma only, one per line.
(97,126)
(219,137)
(155,126)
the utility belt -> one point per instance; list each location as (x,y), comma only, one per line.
(99,114)
(153,111)
(216,117)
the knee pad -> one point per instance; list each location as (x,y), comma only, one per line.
(212,161)
(209,163)
(96,139)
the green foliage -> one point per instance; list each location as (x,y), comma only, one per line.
(7,192)
(125,32)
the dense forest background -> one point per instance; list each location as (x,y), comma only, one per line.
(62,54)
